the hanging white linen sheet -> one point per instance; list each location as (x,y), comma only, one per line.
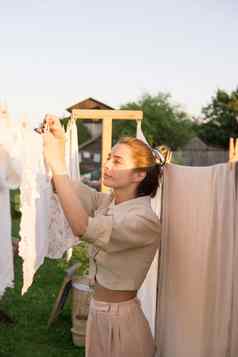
(196,304)
(6,255)
(71,150)
(147,294)
(72,161)
(35,191)
(9,179)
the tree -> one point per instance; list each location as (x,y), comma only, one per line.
(163,123)
(83,132)
(220,120)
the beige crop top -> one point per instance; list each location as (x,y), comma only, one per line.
(126,237)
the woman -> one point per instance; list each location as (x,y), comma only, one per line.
(125,233)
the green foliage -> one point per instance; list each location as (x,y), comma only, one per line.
(64,122)
(163,123)
(83,132)
(15,204)
(220,119)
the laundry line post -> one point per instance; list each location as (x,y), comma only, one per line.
(107,117)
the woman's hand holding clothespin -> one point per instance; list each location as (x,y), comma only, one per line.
(54,145)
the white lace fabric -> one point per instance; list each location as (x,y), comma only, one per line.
(60,233)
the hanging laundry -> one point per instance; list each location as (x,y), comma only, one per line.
(6,255)
(148,291)
(44,230)
(9,179)
(71,150)
(60,233)
(35,191)
(197,277)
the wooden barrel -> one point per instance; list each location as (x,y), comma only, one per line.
(81,295)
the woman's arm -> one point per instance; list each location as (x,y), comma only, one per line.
(54,153)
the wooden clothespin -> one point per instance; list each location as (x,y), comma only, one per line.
(233,151)
(166,152)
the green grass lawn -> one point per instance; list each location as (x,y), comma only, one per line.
(29,335)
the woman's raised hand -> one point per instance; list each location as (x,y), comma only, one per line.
(54,144)
(52,123)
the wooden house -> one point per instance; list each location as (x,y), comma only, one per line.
(90,151)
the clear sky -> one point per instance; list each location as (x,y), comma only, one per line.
(56,53)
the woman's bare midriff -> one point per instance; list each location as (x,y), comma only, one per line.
(107,295)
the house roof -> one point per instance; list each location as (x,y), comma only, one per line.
(89,103)
(196,144)
(90,141)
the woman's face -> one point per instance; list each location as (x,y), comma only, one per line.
(118,170)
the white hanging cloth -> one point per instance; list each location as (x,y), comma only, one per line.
(6,256)
(72,159)
(35,190)
(44,231)
(48,234)
(71,150)
(148,291)
(60,233)
(9,179)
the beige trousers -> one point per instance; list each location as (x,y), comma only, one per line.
(118,330)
